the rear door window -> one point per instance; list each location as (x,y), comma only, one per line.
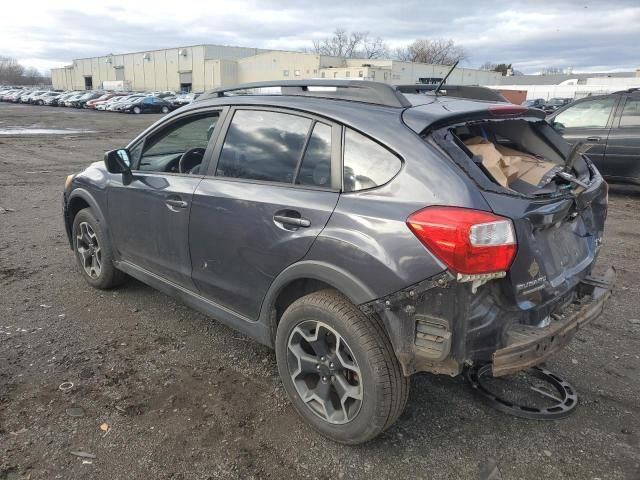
(367,164)
(262,145)
(315,169)
(631,113)
(588,114)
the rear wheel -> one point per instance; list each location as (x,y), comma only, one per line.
(137,110)
(165,109)
(93,252)
(339,369)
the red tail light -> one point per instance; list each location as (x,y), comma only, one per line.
(467,241)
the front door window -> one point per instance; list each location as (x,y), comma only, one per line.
(178,149)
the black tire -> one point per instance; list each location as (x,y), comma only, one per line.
(109,276)
(383,387)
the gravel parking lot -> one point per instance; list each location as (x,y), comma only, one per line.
(167,393)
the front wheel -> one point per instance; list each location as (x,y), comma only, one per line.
(93,252)
(137,110)
(165,109)
(339,369)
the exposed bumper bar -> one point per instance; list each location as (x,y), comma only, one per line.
(529,346)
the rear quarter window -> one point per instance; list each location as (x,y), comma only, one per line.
(367,164)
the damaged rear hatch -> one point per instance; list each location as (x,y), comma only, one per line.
(555,198)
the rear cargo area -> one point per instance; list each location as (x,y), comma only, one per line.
(519,155)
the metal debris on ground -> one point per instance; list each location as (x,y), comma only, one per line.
(66,386)
(552,398)
(82,454)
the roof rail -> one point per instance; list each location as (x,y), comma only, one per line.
(353,90)
(626,90)
(473,92)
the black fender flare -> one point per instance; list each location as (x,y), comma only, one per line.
(346,283)
(85,195)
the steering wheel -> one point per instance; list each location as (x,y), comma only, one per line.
(190,159)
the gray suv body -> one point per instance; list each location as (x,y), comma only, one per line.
(348,226)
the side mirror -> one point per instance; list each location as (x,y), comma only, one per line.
(118,161)
(557,126)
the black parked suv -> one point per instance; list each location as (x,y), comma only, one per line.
(611,123)
(352,228)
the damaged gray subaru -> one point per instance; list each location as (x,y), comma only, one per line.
(364,231)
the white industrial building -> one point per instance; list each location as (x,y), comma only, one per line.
(203,67)
(569,85)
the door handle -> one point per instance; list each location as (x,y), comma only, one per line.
(292,221)
(594,139)
(174,204)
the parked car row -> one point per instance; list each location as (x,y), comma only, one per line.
(100,100)
(548,106)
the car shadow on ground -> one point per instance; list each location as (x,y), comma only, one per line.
(624,190)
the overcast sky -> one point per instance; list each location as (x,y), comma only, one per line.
(586,35)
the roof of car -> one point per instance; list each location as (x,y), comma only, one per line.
(361,110)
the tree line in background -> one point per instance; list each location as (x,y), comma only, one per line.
(439,51)
(361,45)
(13,73)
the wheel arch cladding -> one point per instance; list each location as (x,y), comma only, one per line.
(79,199)
(306,277)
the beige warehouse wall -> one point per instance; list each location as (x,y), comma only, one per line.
(228,72)
(162,69)
(220,73)
(223,52)
(359,62)
(172,65)
(58,79)
(276,65)
(407,72)
(197,68)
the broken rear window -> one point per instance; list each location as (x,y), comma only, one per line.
(516,154)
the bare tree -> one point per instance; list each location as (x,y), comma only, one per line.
(375,48)
(10,70)
(13,73)
(438,51)
(488,66)
(350,45)
(32,76)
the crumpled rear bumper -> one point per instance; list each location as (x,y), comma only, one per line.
(528,346)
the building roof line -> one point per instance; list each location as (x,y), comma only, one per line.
(261,50)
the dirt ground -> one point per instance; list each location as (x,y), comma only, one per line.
(184,397)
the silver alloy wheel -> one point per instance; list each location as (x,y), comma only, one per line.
(324,372)
(136,110)
(89,250)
